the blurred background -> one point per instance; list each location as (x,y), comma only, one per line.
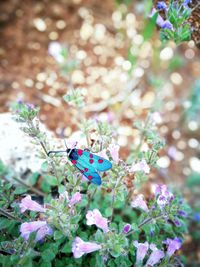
(121,68)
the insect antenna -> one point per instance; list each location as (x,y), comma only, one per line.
(56,152)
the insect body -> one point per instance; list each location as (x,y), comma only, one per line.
(87,163)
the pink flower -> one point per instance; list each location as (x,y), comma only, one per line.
(102,154)
(41,227)
(79,247)
(140,166)
(95,217)
(173,245)
(164,196)
(139,202)
(114,151)
(28,204)
(155,256)
(75,199)
(142,249)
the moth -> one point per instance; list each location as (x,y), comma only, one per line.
(87,163)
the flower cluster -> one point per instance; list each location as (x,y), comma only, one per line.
(175,26)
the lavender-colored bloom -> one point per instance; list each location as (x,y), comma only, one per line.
(79,247)
(126,228)
(139,202)
(160,21)
(187,2)
(42,232)
(167,25)
(41,227)
(95,217)
(173,245)
(28,204)
(140,166)
(182,213)
(114,151)
(142,249)
(177,222)
(75,199)
(161,5)
(155,256)
(163,195)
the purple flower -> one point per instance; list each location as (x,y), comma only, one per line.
(41,227)
(139,202)
(155,256)
(160,21)
(126,228)
(167,25)
(79,247)
(173,245)
(28,204)
(161,5)
(142,249)
(140,166)
(182,213)
(177,222)
(114,151)
(163,195)
(187,2)
(42,232)
(95,217)
(75,199)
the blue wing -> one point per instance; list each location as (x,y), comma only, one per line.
(89,172)
(98,163)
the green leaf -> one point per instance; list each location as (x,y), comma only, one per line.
(149,27)
(58,235)
(51,180)
(108,212)
(20,190)
(48,255)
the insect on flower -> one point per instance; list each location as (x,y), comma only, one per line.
(87,163)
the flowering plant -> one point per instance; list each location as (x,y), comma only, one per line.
(114,225)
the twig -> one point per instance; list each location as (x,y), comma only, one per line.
(8,215)
(146,221)
(33,189)
(113,196)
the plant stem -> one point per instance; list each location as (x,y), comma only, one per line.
(113,196)
(148,220)
(33,189)
(8,215)
(90,197)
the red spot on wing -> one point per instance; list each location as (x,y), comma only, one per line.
(91,161)
(91,156)
(100,160)
(82,171)
(86,169)
(90,177)
(73,161)
(80,152)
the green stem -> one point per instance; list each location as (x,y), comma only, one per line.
(9,215)
(148,220)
